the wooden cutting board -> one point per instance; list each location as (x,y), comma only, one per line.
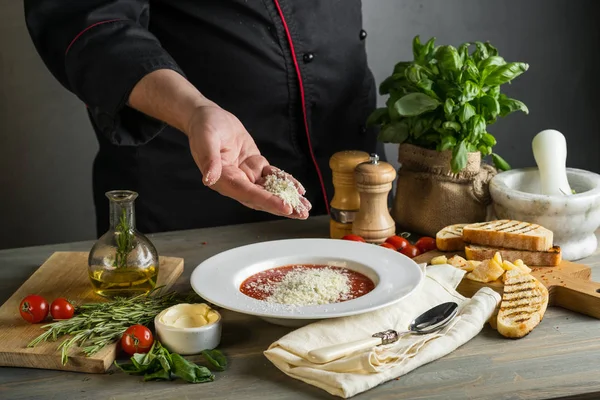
(568,284)
(64,274)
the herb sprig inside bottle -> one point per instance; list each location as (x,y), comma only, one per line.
(124,238)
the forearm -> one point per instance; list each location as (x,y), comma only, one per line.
(167,96)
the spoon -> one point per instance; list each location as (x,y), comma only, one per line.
(550,153)
(430,321)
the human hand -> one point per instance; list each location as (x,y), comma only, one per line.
(232,165)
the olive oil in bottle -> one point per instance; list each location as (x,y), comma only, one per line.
(123,262)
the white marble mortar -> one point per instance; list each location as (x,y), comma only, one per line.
(573,219)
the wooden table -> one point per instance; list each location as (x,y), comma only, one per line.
(559,359)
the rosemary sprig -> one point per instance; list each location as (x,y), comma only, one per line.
(96,325)
(124,238)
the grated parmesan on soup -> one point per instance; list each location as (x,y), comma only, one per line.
(304,285)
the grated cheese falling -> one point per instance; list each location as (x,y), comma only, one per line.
(281,186)
(304,287)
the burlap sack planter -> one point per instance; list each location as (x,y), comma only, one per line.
(429,196)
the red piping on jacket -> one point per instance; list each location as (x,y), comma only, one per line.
(297,67)
(85,30)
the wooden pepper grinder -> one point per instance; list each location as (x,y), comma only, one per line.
(374,181)
(346,201)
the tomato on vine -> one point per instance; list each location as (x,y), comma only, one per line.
(137,339)
(62,309)
(33,308)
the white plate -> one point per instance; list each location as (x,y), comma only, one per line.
(218,279)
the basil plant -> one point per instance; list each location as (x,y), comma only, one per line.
(446,97)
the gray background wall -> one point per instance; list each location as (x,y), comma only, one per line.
(47,145)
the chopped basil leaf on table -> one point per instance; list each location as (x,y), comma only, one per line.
(160,364)
(446,97)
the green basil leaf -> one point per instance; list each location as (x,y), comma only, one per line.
(189,371)
(395,132)
(427,51)
(452,126)
(416,47)
(400,67)
(415,73)
(449,61)
(489,107)
(216,359)
(420,125)
(500,162)
(128,368)
(448,107)
(459,157)
(476,128)
(448,142)
(465,112)
(508,105)
(469,92)
(394,82)
(471,72)
(484,150)
(488,139)
(506,73)
(463,51)
(426,85)
(493,91)
(492,51)
(161,374)
(415,104)
(447,89)
(481,53)
(378,117)
(489,65)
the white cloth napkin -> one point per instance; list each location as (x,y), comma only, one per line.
(362,371)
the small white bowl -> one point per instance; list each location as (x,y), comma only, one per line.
(188,341)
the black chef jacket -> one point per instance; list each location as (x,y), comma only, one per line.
(294,72)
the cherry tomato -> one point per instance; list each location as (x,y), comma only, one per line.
(426,244)
(410,251)
(388,245)
(137,339)
(34,308)
(61,309)
(398,242)
(355,238)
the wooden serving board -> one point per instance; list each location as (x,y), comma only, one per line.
(568,284)
(64,274)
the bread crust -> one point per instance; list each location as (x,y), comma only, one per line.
(509,234)
(552,257)
(450,238)
(523,306)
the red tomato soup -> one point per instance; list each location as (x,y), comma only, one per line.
(307,285)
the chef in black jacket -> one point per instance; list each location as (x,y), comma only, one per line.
(182,94)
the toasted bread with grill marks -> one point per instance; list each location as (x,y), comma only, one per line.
(552,257)
(450,238)
(509,234)
(523,306)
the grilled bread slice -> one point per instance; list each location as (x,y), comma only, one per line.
(509,234)
(551,257)
(450,238)
(524,303)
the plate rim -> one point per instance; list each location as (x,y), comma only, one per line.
(303,316)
